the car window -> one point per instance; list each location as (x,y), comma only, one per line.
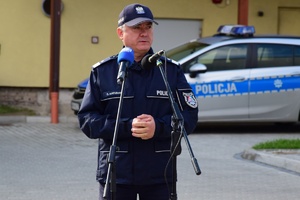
(297,56)
(274,55)
(185,50)
(228,57)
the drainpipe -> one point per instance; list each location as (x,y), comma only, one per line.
(243,12)
(54,58)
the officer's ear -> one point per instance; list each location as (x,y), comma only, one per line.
(120,31)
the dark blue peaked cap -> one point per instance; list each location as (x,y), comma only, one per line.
(135,14)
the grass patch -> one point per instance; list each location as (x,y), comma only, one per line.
(278,144)
(8,110)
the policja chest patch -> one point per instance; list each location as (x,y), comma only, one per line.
(190,99)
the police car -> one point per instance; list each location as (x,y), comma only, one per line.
(240,77)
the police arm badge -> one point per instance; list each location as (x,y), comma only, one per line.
(190,99)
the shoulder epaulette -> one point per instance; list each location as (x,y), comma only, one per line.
(104,61)
(172,61)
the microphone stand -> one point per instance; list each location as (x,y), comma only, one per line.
(178,131)
(111,173)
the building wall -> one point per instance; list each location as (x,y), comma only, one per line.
(25,38)
(25,33)
(268,23)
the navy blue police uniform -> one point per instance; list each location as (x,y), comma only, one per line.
(138,162)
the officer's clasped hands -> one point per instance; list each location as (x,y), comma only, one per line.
(143,126)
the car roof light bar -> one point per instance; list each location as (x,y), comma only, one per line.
(236,30)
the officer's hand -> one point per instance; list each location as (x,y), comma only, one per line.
(143,126)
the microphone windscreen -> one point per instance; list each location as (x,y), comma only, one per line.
(126,54)
(146,64)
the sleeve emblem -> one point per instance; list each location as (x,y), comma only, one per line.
(190,99)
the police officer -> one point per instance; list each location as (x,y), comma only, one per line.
(145,122)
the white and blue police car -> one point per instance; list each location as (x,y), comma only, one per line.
(240,77)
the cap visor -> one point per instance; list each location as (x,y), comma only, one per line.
(137,21)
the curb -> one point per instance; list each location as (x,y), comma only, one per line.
(33,119)
(275,158)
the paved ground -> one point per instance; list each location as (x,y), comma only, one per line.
(45,161)
(39,160)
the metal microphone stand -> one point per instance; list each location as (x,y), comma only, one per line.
(111,173)
(177,133)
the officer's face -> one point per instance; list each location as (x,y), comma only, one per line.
(138,37)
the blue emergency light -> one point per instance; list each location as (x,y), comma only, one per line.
(237,30)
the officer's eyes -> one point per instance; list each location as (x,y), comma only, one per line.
(143,27)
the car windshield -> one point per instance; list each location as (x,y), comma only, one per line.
(184,50)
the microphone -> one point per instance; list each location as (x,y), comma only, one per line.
(149,61)
(125,59)
(156,56)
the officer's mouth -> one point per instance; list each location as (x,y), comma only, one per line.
(144,42)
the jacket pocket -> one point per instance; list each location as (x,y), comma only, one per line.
(122,150)
(161,146)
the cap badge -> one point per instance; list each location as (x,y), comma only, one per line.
(140,10)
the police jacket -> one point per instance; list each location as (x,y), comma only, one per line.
(138,162)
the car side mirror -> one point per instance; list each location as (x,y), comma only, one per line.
(197,68)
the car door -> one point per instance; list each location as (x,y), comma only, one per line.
(275,84)
(222,91)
